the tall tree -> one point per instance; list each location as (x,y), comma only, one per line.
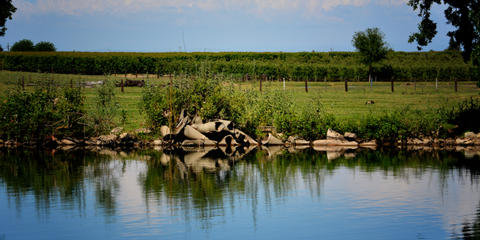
(371,46)
(6,11)
(463,15)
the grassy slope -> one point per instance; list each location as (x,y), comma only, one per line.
(346,106)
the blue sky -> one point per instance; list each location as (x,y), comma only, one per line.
(214,25)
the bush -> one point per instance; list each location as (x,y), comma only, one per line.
(464,116)
(45,47)
(24,45)
(32,116)
(102,118)
(209,98)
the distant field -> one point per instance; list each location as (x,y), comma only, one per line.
(347,106)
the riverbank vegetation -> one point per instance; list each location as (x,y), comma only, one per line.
(412,110)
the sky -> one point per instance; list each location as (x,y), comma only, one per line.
(215,25)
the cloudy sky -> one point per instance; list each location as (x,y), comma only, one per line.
(214,25)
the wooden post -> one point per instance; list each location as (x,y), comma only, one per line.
(436,83)
(346,85)
(23,83)
(456,85)
(71,83)
(260,84)
(283,84)
(306,85)
(121,84)
(392,85)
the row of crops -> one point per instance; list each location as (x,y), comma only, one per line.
(336,66)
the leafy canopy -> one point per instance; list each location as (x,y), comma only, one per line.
(45,47)
(463,15)
(6,11)
(24,45)
(371,45)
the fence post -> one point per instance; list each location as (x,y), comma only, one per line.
(392,85)
(346,85)
(456,85)
(121,85)
(306,84)
(260,84)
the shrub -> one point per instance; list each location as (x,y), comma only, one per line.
(102,118)
(24,45)
(464,116)
(45,47)
(32,116)
(209,98)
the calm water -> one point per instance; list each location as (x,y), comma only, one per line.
(266,194)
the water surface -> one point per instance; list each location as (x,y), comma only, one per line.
(265,194)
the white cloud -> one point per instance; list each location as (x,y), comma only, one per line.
(78,7)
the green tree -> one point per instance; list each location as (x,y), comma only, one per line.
(24,45)
(45,47)
(6,11)
(371,46)
(463,15)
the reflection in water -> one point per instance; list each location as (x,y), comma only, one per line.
(209,187)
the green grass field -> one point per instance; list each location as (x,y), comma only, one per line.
(347,106)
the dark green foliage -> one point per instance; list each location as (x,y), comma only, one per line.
(102,118)
(45,47)
(207,97)
(6,11)
(465,116)
(24,45)
(371,45)
(463,15)
(333,66)
(27,116)
(1,49)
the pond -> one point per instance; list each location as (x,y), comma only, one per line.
(244,194)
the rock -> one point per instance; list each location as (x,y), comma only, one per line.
(291,139)
(164,131)
(335,142)
(463,141)
(372,143)
(67,142)
(332,155)
(272,141)
(470,135)
(228,141)
(157,142)
(301,142)
(116,131)
(450,141)
(332,135)
(350,136)
(107,140)
(143,131)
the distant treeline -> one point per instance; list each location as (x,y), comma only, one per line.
(312,66)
